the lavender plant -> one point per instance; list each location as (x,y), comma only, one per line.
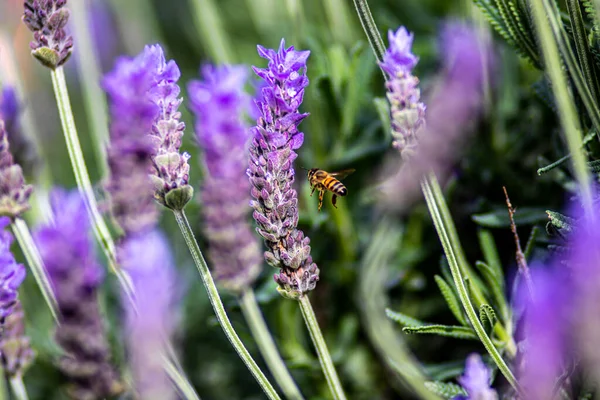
(14,192)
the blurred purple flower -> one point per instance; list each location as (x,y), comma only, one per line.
(16,353)
(130,150)
(11,273)
(476,380)
(20,146)
(14,193)
(220,104)
(271,170)
(47,20)
(104,30)
(451,112)
(148,260)
(67,251)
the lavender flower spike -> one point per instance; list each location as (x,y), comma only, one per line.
(148,259)
(21,147)
(219,102)
(47,20)
(67,251)
(16,353)
(11,273)
(14,193)
(476,380)
(407,111)
(271,172)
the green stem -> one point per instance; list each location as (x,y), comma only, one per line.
(82,177)
(267,346)
(368,24)
(89,77)
(218,307)
(373,275)
(324,358)
(18,387)
(36,264)
(436,203)
(211,31)
(566,108)
(179,380)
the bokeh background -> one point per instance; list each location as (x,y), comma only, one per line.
(346,129)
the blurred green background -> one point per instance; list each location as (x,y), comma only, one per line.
(516,136)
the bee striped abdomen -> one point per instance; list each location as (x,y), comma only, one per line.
(335,186)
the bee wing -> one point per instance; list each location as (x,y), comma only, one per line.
(343,173)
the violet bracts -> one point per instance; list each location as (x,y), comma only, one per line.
(67,251)
(14,193)
(11,273)
(271,171)
(47,20)
(220,104)
(476,380)
(148,260)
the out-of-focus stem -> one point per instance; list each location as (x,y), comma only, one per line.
(211,31)
(267,345)
(179,380)
(335,386)
(217,304)
(82,177)
(36,264)
(89,77)
(18,387)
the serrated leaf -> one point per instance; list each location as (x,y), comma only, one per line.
(457,332)
(496,286)
(447,390)
(499,218)
(487,316)
(560,221)
(594,166)
(404,319)
(451,299)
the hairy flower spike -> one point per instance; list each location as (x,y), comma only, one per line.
(47,20)
(16,353)
(220,103)
(67,251)
(271,172)
(407,110)
(20,146)
(14,193)
(11,273)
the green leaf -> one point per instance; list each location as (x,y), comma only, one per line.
(487,316)
(560,221)
(499,218)
(446,390)
(445,370)
(360,71)
(451,299)
(496,286)
(404,319)
(490,253)
(383,110)
(531,242)
(458,332)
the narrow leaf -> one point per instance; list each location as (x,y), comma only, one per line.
(451,299)
(404,319)
(487,317)
(496,286)
(446,390)
(458,332)
(490,253)
(499,218)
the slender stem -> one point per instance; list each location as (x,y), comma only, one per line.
(324,358)
(89,77)
(566,108)
(267,345)
(218,307)
(18,387)
(83,179)
(36,264)
(180,381)
(212,34)
(435,202)
(368,24)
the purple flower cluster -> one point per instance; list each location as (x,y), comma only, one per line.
(406,109)
(220,104)
(148,260)
(11,273)
(271,171)
(16,353)
(47,20)
(67,251)
(14,193)
(476,380)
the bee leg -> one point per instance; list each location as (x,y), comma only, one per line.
(321,194)
(333,200)
(313,190)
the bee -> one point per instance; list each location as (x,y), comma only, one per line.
(322,180)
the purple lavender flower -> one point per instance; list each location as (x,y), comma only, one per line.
(130,150)
(15,347)
(271,172)
(407,110)
(67,251)
(11,273)
(47,20)
(14,193)
(148,260)
(476,380)
(220,103)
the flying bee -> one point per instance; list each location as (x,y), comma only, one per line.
(322,180)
